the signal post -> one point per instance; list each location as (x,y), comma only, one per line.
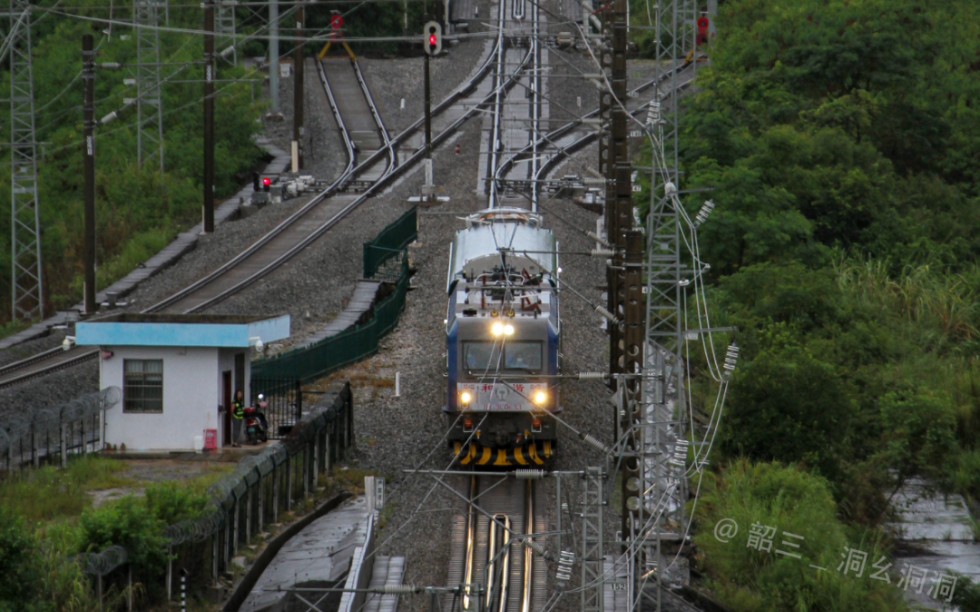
(432,45)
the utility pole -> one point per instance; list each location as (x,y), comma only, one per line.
(88,78)
(298,86)
(625,359)
(26,280)
(274,59)
(614,164)
(208,116)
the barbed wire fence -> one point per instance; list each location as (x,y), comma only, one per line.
(51,435)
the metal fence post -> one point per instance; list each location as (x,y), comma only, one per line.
(35,456)
(249,494)
(215,554)
(235,527)
(348,418)
(262,489)
(64,444)
(276,484)
(314,459)
(290,468)
(228,544)
(299,400)
(306,469)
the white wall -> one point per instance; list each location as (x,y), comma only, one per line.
(191,395)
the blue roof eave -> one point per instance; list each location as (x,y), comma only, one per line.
(212,335)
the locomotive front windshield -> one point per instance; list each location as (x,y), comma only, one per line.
(480,356)
(523,356)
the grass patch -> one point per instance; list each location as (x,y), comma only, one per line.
(50,493)
(140,247)
(12,327)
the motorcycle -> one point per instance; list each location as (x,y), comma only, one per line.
(256,426)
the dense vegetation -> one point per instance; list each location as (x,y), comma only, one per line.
(47,518)
(840,140)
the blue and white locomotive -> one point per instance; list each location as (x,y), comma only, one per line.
(502,333)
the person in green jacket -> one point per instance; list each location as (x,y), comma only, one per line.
(237,417)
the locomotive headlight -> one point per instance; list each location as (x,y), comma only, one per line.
(465,397)
(540,398)
(499,328)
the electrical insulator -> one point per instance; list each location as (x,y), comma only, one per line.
(653,113)
(731,358)
(702,215)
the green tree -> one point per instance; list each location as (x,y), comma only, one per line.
(786,526)
(786,405)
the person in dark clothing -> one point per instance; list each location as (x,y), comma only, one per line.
(237,417)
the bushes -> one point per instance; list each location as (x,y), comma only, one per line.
(41,533)
(788,551)
(19,571)
(138,524)
(130,524)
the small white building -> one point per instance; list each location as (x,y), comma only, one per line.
(178,374)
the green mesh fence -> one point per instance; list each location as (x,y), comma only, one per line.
(390,242)
(361,341)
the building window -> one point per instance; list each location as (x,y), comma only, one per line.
(143,385)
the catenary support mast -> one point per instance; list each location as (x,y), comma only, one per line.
(27,287)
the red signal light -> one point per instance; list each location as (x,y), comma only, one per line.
(266,183)
(432,34)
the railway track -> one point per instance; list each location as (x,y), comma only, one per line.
(491,555)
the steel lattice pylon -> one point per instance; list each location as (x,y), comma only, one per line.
(592,541)
(225,27)
(27,287)
(149,99)
(659,527)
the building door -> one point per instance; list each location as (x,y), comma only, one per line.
(226,405)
